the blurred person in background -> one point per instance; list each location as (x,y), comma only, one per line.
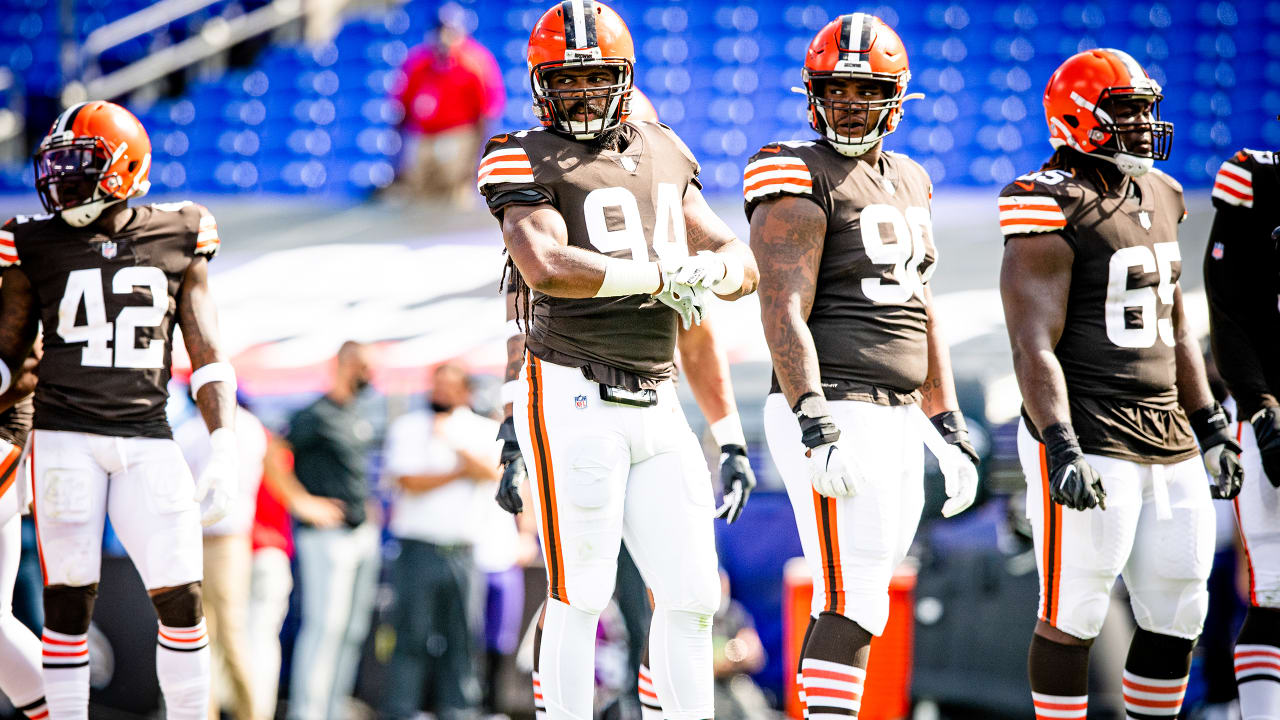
(1242,281)
(228,558)
(337,566)
(452,88)
(738,654)
(859,356)
(1115,396)
(443,463)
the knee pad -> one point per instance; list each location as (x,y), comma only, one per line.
(1171,609)
(68,609)
(180,607)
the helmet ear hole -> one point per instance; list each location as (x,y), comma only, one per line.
(133,165)
(1071,120)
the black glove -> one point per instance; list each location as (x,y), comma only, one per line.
(1266,428)
(951,427)
(1073,482)
(816,426)
(737,481)
(513,471)
(1221,451)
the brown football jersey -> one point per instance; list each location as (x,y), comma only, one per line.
(107,305)
(868,319)
(1117,344)
(626,203)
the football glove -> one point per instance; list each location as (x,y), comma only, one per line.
(952,428)
(1073,483)
(1266,429)
(830,472)
(1221,451)
(737,481)
(219,481)
(689,301)
(513,470)
(702,270)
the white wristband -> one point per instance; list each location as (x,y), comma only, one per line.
(223,440)
(213,372)
(728,431)
(629,277)
(510,390)
(6,377)
(734,274)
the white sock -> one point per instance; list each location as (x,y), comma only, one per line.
(804,704)
(680,660)
(567,660)
(1152,698)
(1060,707)
(66,675)
(539,705)
(649,707)
(832,690)
(182,667)
(20,663)
(1258,679)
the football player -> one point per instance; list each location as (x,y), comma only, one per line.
(707,369)
(1114,391)
(19,648)
(1242,279)
(841,229)
(599,216)
(108,281)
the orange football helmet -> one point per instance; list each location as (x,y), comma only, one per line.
(96,154)
(1074,103)
(859,46)
(574,34)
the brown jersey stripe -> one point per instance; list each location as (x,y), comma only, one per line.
(829,550)
(545,476)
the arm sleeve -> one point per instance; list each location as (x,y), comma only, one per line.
(1240,282)
(1030,208)
(505,176)
(776,170)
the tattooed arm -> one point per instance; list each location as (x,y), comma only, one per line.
(938,393)
(787,235)
(706,231)
(17,335)
(198,319)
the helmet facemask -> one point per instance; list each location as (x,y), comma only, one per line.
(608,103)
(72,177)
(1109,136)
(821,109)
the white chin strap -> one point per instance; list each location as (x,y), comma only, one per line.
(1132,165)
(82,215)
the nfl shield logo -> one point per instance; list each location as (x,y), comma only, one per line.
(580,401)
(108,249)
(1144,220)
(1217,251)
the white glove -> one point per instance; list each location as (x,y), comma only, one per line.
(690,301)
(702,270)
(832,474)
(960,477)
(218,484)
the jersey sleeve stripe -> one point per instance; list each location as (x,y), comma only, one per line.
(1236,173)
(1234,185)
(504,156)
(8,250)
(790,186)
(775,162)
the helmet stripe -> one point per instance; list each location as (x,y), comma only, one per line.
(855,37)
(864,43)
(1136,73)
(67,118)
(580,24)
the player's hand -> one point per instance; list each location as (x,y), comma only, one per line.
(701,270)
(689,301)
(1266,429)
(1221,451)
(737,481)
(952,428)
(513,470)
(960,479)
(219,482)
(830,472)
(1073,482)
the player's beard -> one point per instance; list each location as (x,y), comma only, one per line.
(612,139)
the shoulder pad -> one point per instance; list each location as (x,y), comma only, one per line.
(172,206)
(776,169)
(1166,178)
(1233,185)
(504,161)
(8,248)
(1031,203)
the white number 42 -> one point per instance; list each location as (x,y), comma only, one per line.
(85,287)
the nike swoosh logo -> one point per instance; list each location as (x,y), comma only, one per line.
(1025,186)
(770,149)
(503,138)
